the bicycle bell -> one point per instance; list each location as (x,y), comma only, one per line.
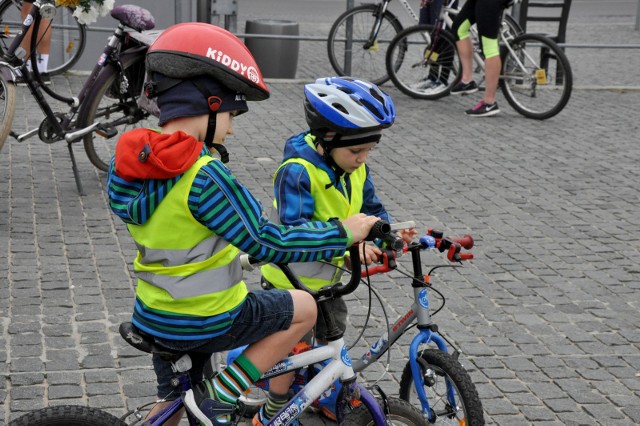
(48,11)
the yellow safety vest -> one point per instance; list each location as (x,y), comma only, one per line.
(328,203)
(189,270)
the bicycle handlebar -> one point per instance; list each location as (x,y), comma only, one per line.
(432,240)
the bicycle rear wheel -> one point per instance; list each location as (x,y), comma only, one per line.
(367,62)
(7,108)
(451,393)
(536,77)
(422,66)
(114,103)
(68,37)
(67,415)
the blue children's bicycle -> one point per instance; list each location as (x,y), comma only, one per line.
(433,380)
(370,410)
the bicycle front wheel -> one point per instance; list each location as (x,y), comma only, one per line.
(7,108)
(113,101)
(451,393)
(400,413)
(536,77)
(365,54)
(67,415)
(68,36)
(423,65)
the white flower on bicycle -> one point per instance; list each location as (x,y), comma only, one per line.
(87,11)
(86,16)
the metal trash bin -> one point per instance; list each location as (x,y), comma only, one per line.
(276,57)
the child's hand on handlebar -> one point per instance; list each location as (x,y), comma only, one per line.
(359,225)
(371,254)
(407,234)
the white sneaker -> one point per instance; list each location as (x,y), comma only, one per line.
(424,84)
(436,88)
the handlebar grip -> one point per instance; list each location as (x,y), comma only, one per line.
(466,256)
(379,230)
(465,241)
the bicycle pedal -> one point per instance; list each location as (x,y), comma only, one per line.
(106,131)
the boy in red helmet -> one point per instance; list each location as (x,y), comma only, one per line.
(190,218)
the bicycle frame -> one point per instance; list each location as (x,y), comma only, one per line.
(339,368)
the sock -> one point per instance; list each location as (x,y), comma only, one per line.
(43,63)
(274,403)
(235,379)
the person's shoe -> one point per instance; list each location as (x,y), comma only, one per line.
(424,84)
(464,88)
(260,420)
(483,110)
(201,402)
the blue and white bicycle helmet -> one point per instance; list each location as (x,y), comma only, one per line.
(343,111)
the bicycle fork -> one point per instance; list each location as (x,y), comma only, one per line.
(427,336)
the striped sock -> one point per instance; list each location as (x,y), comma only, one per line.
(235,379)
(274,403)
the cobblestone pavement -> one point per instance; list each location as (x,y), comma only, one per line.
(546,316)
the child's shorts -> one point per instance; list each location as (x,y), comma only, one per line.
(337,306)
(262,314)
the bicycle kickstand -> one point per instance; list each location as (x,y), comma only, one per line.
(74,167)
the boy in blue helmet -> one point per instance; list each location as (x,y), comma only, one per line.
(324,175)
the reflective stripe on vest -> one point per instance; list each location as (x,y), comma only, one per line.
(190,263)
(329,202)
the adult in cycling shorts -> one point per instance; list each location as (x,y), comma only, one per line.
(487,14)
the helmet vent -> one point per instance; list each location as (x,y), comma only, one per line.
(341,108)
(345,90)
(371,108)
(376,95)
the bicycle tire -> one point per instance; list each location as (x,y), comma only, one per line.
(409,69)
(400,413)
(107,100)
(68,36)
(543,88)
(442,368)
(7,108)
(67,415)
(368,64)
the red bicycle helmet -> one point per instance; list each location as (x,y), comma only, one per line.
(192,49)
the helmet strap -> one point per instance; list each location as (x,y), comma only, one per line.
(326,155)
(208,139)
(211,126)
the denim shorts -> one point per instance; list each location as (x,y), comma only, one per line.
(339,308)
(262,314)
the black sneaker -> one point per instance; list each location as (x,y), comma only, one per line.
(483,110)
(464,88)
(201,402)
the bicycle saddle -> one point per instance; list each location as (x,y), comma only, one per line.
(133,16)
(144,342)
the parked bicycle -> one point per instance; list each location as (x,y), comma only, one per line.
(68,36)
(536,77)
(433,380)
(107,103)
(368,412)
(359,38)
